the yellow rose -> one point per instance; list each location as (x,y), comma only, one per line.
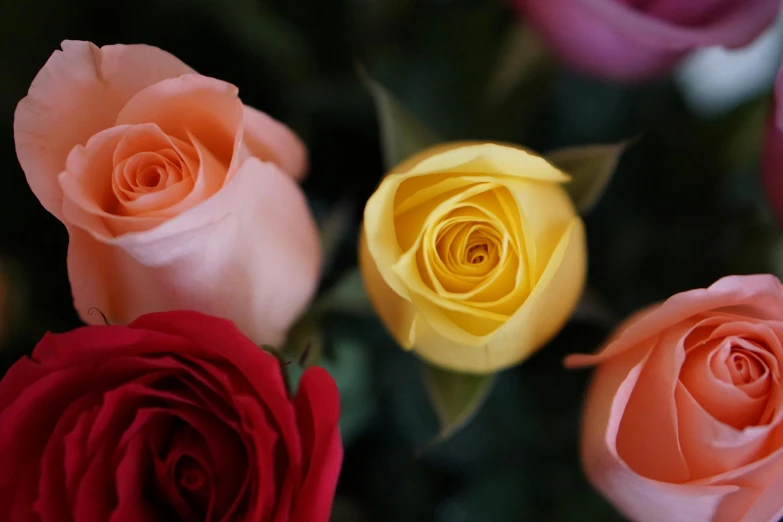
(473,254)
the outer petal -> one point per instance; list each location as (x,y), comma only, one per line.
(78,93)
(772,161)
(270,140)
(639,498)
(586,42)
(317,405)
(610,38)
(395,312)
(250,253)
(761,295)
(735,26)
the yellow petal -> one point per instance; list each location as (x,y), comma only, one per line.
(395,312)
(490,158)
(546,211)
(546,309)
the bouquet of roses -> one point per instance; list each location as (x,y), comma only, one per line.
(206,384)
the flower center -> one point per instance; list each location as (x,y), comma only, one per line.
(478,254)
(189,473)
(731,377)
(744,367)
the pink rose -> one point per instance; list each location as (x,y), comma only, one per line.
(174,194)
(683,418)
(636,39)
(772,162)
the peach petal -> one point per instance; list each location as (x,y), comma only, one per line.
(648,436)
(763,334)
(719,396)
(86,184)
(710,446)
(637,497)
(758,496)
(227,256)
(175,199)
(758,294)
(270,140)
(134,152)
(192,105)
(78,93)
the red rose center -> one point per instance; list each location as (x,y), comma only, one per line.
(189,473)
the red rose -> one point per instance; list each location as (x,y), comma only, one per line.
(177,416)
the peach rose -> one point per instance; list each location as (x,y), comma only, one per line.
(683,418)
(174,194)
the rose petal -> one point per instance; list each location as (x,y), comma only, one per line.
(131,478)
(693,14)
(612,39)
(270,140)
(638,498)
(249,253)
(587,41)
(323,452)
(396,312)
(737,26)
(711,447)
(192,104)
(648,435)
(759,293)
(772,158)
(527,329)
(78,93)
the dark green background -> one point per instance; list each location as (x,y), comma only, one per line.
(684,209)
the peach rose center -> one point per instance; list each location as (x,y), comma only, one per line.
(731,378)
(152,173)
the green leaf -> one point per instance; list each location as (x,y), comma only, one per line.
(334,229)
(402,135)
(347,296)
(591,168)
(456,397)
(350,364)
(521,53)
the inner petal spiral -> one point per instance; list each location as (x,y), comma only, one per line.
(462,241)
(152,171)
(730,378)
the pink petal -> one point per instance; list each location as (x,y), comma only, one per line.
(78,93)
(250,254)
(758,496)
(711,447)
(637,497)
(270,140)
(88,199)
(587,42)
(772,159)
(611,39)
(758,295)
(708,381)
(192,105)
(736,26)
(648,435)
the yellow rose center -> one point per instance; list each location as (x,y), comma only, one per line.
(467,237)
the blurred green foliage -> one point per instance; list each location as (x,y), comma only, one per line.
(684,208)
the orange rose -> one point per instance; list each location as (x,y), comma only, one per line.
(684,418)
(175,194)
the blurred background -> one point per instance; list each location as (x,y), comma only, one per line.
(685,208)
